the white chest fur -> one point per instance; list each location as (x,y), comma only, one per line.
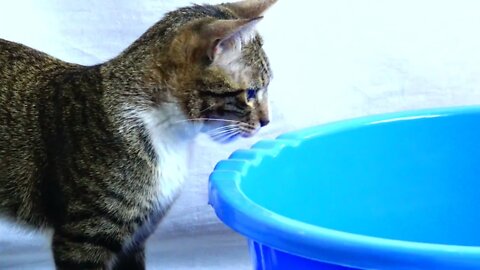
(169,142)
(170,172)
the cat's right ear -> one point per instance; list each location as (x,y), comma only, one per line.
(223,35)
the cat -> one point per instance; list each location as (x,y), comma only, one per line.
(97,154)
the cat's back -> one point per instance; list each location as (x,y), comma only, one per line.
(24,77)
(21,66)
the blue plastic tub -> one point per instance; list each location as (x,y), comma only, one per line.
(397,191)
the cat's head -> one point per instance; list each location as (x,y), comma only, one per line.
(218,70)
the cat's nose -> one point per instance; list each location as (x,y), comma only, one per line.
(264,122)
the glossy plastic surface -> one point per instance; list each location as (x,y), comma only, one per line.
(397,191)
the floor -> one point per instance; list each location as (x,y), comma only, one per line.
(209,251)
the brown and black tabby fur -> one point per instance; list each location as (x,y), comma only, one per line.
(96,153)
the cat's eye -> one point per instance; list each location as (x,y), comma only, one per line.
(251,93)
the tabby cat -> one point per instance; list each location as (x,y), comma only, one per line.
(97,153)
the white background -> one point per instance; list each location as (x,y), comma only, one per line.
(331,59)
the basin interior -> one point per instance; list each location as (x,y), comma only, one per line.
(413,179)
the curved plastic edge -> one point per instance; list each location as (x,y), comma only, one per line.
(315,131)
(330,246)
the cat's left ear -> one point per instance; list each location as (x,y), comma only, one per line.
(223,35)
(250,8)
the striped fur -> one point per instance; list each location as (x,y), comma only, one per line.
(97,153)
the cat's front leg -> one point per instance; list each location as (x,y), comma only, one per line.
(75,251)
(132,260)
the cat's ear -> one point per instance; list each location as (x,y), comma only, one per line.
(250,8)
(223,35)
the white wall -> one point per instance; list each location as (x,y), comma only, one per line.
(331,60)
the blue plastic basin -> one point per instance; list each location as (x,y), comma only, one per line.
(396,191)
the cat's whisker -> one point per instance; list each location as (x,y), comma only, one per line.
(221,128)
(208,108)
(208,119)
(247,126)
(226,136)
(224,132)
